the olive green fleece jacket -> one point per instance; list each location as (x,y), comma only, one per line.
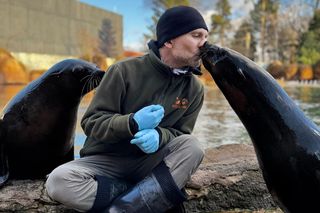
(129,86)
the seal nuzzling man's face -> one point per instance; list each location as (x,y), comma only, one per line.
(286,142)
(40,120)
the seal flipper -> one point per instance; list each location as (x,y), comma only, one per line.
(4,167)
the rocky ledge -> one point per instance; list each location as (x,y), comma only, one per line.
(229,179)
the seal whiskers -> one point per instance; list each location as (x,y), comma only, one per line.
(91,82)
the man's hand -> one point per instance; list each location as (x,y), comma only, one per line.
(149,117)
(147,140)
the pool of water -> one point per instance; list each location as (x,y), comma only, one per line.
(217,124)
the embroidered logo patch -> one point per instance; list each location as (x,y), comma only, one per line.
(180,103)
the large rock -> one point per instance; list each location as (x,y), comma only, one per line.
(229,178)
(27,196)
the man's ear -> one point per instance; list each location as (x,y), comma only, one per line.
(168,44)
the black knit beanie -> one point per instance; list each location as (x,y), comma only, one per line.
(177,21)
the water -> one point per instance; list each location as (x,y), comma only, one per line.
(217,124)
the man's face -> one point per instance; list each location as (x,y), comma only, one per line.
(185,48)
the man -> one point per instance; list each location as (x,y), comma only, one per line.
(139,153)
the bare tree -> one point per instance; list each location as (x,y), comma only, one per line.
(264,18)
(88,44)
(220,20)
(107,41)
(158,7)
(293,21)
(244,41)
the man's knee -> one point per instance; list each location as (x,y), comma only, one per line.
(188,147)
(184,158)
(192,147)
(56,183)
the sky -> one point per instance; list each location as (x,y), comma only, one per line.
(136,17)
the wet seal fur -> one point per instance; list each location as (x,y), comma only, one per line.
(37,126)
(286,142)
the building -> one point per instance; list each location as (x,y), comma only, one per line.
(51,29)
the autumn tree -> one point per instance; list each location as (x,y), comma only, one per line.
(293,21)
(106,36)
(309,51)
(244,41)
(220,21)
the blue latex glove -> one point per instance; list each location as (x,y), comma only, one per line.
(147,140)
(149,117)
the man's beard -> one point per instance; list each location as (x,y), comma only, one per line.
(194,62)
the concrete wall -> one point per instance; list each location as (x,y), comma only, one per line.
(56,27)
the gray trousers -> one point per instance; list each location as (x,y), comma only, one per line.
(73,183)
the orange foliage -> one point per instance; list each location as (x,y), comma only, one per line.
(129,53)
(98,59)
(4,53)
(316,70)
(275,68)
(34,74)
(206,77)
(7,92)
(11,70)
(291,71)
(305,72)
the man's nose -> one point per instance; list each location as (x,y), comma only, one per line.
(203,41)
